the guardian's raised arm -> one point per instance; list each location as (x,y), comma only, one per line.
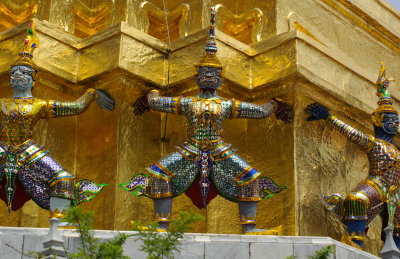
(380,190)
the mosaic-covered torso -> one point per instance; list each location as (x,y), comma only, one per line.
(384,162)
(205,117)
(18,116)
(40,175)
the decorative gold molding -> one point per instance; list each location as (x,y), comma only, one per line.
(251,68)
(246,27)
(153,21)
(13,13)
(295,23)
(92,17)
(366,23)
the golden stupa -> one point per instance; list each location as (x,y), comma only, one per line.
(302,51)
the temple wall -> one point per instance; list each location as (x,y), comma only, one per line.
(194,245)
(325,163)
(302,51)
(351,38)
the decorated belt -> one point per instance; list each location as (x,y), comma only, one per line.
(14,149)
(219,150)
(31,155)
(384,188)
(204,144)
(26,154)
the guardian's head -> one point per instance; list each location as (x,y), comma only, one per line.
(385,117)
(23,71)
(209,69)
(208,77)
(22,77)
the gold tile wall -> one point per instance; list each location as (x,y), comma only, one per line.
(302,51)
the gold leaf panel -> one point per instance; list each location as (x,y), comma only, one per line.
(13,12)
(92,17)
(154,22)
(245,27)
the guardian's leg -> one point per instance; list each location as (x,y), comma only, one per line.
(60,184)
(396,230)
(360,207)
(162,211)
(248,201)
(160,191)
(248,211)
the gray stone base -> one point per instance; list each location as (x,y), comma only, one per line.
(16,241)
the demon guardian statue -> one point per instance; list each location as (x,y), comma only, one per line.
(203,164)
(28,171)
(370,197)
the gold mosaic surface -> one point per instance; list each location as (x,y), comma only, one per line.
(304,51)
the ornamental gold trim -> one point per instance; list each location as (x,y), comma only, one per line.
(57,214)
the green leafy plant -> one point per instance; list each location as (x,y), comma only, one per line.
(91,247)
(162,245)
(323,253)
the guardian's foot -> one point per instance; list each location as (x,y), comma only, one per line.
(162,226)
(250,229)
(162,208)
(66,225)
(149,228)
(354,241)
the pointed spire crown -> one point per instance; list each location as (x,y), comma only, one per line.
(31,42)
(385,102)
(210,58)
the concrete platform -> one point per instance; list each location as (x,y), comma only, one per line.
(15,242)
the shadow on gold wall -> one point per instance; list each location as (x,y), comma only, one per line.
(14,12)
(248,23)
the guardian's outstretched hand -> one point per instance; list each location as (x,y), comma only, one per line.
(141,104)
(317,112)
(284,111)
(105,100)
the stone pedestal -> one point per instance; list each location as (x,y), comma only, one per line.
(301,51)
(195,246)
(53,244)
(390,250)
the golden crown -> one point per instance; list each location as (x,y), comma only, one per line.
(210,58)
(31,42)
(385,102)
